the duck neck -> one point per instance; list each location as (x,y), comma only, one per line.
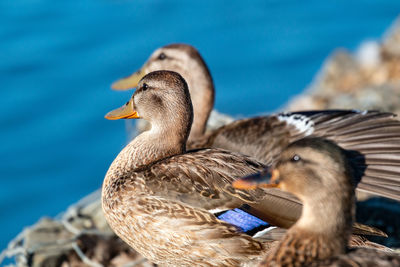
(322,231)
(202,92)
(146,148)
(328,215)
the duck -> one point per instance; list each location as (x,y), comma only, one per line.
(320,174)
(376,135)
(156,196)
(163,200)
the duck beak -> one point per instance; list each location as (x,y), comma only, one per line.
(267,178)
(127,111)
(129,82)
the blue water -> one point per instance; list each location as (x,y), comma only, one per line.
(58,59)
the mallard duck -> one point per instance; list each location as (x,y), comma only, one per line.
(161,199)
(157,198)
(320,174)
(375,135)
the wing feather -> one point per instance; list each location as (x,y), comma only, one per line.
(375,136)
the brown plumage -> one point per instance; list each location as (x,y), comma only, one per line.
(320,174)
(375,135)
(158,198)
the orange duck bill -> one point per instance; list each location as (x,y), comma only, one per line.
(127,111)
(268,178)
(129,82)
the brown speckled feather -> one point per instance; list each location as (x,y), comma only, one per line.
(261,137)
(362,241)
(203,178)
(375,135)
(165,231)
(286,254)
(165,204)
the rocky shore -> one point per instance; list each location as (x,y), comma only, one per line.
(366,79)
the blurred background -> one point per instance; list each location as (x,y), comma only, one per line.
(58,59)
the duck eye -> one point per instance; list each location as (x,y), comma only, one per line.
(296,158)
(145,87)
(162,56)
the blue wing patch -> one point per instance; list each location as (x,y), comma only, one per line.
(243,220)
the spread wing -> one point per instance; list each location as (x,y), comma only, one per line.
(373,143)
(373,136)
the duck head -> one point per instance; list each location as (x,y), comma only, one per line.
(163,99)
(187,61)
(306,168)
(316,171)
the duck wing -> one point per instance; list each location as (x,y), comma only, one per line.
(260,137)
(203,179)
(372,142)
(371,137)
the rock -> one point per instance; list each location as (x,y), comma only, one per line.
(79,237)
(391,40)
(369,79)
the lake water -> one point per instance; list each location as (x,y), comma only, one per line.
(58,59)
